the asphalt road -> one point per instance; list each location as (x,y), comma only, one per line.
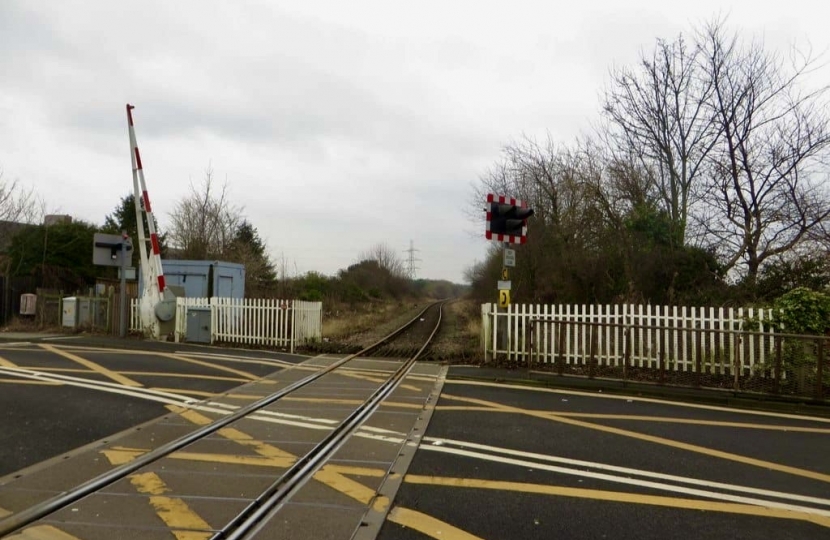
(497,461)
(520,463)
(58,395)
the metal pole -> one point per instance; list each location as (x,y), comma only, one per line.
(122,329)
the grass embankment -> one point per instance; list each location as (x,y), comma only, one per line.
(347,329)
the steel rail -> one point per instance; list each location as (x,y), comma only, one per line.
(256,515)
(25,517)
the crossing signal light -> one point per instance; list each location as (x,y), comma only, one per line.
(507,219)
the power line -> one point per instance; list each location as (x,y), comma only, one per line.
(411,260)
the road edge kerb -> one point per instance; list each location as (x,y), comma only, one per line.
(375,517)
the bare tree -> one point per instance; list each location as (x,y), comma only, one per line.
(387,258)
(205,223)
(18,204)
(567,228)
(767,193)
(658,115)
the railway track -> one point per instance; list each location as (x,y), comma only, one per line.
(408,343)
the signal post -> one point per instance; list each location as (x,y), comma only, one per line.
(507,224)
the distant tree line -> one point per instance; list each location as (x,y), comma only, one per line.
(204,225)
(706,182)
(379,275)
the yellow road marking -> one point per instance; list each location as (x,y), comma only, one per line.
(120,455)
(180,358)
(7,363)
(244,397)
(233,434)
(275,362)
(187,376)
(671,420)
(641,400)
(218,355)
(185,391)
(654,439)
(256,461)
(328,475)
(345,485)
(117,377)
(42,532)
(184,523)
(333,476)
(356,471)
(215,356)
(619,496)
(142,373)
(378,380)
(428,525)
(336,401)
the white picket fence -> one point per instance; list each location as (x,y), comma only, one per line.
(675,335)
(253,321)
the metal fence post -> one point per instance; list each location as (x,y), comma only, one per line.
(776,370)
(820,369)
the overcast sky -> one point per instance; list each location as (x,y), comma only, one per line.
(337,125)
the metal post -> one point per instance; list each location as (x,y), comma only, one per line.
(819,370)
(529,345)
(777,367)
(122,329)
(629,344)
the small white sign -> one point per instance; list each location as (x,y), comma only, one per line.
(130,274)
(510,257)
(504,285)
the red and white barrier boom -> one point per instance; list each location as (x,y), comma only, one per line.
(154,293)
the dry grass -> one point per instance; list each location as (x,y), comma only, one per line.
(344,321)
(458,340)
(346,328)
(22,324)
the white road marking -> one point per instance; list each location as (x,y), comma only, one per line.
(622,397)
(440,443)
(446,446)
(239,359)
(113,388)
(631,481)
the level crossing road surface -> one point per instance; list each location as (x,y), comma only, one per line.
(57,395)
(501,461)
(498,460)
